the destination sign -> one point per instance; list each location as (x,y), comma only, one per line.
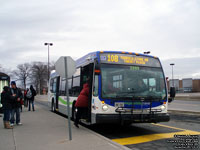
(3,78)
(129,59)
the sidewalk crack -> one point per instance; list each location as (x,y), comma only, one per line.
(14,139)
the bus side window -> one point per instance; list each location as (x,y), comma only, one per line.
(54,85)
(51,85)
(95,90)
(70,86)
(76,86)
(62,87)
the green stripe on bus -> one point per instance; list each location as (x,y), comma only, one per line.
(63,101)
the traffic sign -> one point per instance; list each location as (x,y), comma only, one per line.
(60,66)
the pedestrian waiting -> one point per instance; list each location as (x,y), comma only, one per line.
(25,98)
(7,99)
(16,105)
(30,95)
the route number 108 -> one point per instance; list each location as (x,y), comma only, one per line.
(112,58)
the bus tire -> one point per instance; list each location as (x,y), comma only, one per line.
(53,106)
(127,123)
(73,111)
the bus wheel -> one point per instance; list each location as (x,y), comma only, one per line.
(53,106)
(127,123)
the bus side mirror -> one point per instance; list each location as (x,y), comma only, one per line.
(172,92)
(97,72)
(97,68)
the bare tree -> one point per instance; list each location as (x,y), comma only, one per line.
(39,75)
(22,73)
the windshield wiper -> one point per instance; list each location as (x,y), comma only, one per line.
(153,98)
(126,93)
(137,98)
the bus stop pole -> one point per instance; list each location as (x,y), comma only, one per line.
(67,92)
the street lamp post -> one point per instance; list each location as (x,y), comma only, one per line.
(148,52)
(172,64)
(48,44)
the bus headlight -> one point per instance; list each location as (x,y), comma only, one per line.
(162,107)
(105,107)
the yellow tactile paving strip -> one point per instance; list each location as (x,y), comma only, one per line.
(153,137)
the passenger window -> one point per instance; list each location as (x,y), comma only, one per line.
(51,85)
(76,86)
(70,86)
(62,87)
(95,90)
(54,85)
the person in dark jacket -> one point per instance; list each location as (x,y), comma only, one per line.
(82,103)
(31,93)
(25,98)
(16,104)
(7,100)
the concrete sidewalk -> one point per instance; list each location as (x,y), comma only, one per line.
(44,130)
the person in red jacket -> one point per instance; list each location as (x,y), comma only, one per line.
(82,103)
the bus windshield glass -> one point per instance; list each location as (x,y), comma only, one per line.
(129,82)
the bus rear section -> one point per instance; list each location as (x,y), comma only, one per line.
(129,88)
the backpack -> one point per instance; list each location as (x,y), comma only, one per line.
(29,94)
(34,93)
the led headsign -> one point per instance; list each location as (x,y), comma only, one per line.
(129,59)
(3,78)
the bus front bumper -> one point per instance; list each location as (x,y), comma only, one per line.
(133,118)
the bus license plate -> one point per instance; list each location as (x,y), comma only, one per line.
(119,104)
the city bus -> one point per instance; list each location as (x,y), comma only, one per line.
(125,88)
(4,81)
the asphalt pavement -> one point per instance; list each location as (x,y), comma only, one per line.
(184,106)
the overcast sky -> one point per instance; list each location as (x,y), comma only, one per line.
(169,29)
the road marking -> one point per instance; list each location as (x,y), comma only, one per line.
(152,137)
(162,125)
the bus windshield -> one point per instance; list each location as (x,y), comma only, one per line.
(122,82)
